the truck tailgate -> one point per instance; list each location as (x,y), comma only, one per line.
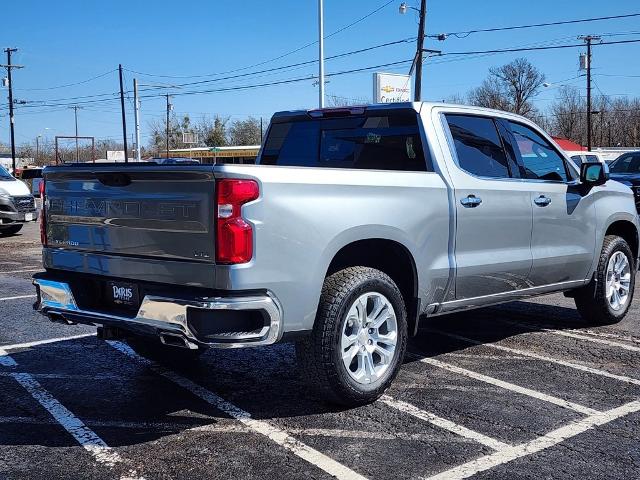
(138,210)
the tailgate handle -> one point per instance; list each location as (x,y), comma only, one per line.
(114,179)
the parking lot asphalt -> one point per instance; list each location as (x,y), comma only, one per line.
(521,390)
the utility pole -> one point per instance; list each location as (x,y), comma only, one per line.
(588,39)
(75,111)
(321,54)
(9,67)
(136,104)
(168,110)
(124,118)
(37,148)
(417,93)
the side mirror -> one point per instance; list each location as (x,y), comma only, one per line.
(594,173)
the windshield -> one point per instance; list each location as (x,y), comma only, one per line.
(4,175)
(626,164)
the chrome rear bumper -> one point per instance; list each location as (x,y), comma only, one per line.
(158,316)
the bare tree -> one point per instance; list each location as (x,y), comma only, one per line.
(245,132)
(490,94)
(568,115)
(510,87)
(339,101)
(213,133)
(158,130)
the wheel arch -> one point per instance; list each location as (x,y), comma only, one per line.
(390,257)
(628,231)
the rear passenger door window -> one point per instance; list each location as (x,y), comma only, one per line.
(478,146)
(540,160)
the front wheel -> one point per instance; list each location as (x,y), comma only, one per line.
(359,337)
(607,298)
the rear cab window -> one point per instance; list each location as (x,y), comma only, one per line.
(379,139)
(479,147)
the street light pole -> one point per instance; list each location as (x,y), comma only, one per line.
(320,54)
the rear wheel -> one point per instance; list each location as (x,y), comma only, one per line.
(155,350)
(607,298)
(12,230)
(359,337)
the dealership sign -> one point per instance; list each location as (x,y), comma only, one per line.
(391,87)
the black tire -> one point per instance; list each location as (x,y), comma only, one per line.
(12,230)
(319,355)
(155,350)
(591,300)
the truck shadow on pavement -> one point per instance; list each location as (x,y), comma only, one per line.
(127,403)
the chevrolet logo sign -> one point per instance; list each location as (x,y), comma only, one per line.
(387,89)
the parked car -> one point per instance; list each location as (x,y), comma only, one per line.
(17,205)
(626,169)
(32,176)
(585,157)
(356,224)
(175,161)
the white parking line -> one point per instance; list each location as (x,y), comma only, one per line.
(19,297)
(35,343)
(626,338)
(485,357)
(526,353)
(588,335)
(602,341)
(270,431)
(443,423)
(510,386)
(236,428)
(552,438)
(86,437)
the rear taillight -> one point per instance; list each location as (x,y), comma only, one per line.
(234,236)
(43,218)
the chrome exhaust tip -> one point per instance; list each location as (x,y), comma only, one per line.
(59,318)
(177,340)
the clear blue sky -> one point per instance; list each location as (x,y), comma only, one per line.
(66,42)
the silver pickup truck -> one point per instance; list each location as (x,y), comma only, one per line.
(355,224)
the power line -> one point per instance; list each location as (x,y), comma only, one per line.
(238,87)
(234,77)
(464,34)
(299,64)
(530,49)
(279,57)
(52,103)
(68,84)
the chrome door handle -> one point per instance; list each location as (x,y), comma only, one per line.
(542,201)
(471,201)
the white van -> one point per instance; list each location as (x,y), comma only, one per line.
(17,205)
